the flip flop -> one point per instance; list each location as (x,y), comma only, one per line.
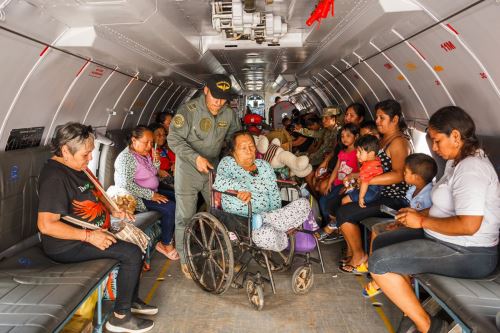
(370,291)
(360,269)
(172,255)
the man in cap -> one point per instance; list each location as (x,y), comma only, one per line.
(197,134)
(327,142)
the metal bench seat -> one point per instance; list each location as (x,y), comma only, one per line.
(472,303)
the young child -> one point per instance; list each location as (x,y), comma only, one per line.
(420,170)
(165,158)
(367,148)
(369,127)
(347,163)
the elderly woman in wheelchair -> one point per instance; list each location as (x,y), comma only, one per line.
(255,182)
(251,226)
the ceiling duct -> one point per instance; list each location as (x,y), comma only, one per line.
(234,21)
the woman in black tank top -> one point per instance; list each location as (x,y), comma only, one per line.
(395,147)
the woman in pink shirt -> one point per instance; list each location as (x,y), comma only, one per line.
(136,172)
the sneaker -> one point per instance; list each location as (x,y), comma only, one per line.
(140,307)
(129,323)
(332,238)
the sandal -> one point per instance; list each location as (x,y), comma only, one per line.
(360,269)
(322,235)
(370,291)
(172,255)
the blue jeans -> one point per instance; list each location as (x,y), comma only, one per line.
(167,211)
(170,194)
(411,251)
(328,203)
(127,254)
(372,194)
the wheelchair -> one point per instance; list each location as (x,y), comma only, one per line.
(216,243)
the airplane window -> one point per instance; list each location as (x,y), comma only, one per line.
(420,142)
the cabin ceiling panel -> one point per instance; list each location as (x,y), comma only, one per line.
(424,80)
(207,65)
(398,85)
(15,66)
(101,110)
(365,91)
(328,92)
(177,101)
(363,70)
(152,102)
(444,8)
(385,39)
(160,37)
(162,102)
(417,22)
(335,90)
(366,20)
(461,70)
(81,13)
(484,45)
(123,105)
(138,106)
(173,99)
(364,51)
(79,98)
(41,25)
(193,16)
(160,105)
(40,97)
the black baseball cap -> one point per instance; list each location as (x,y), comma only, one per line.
(220,86)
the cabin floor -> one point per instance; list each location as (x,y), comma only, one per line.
(334,304)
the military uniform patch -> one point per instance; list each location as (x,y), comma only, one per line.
(205,124)
(178,120)
(222,123)
(191,107)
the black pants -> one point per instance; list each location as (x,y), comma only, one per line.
(130,258)
(352,213)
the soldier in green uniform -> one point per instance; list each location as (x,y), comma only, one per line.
(197,133)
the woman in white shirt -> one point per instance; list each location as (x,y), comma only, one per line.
(458,235)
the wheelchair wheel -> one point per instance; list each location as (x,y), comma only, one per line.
(279,261)
(302,280)
(255,294)
(209,253)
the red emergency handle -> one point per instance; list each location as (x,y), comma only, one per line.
(321,11)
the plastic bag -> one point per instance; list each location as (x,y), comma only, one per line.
(122,198)
(306,242)
(82,319)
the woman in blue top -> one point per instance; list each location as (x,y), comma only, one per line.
(255,181)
